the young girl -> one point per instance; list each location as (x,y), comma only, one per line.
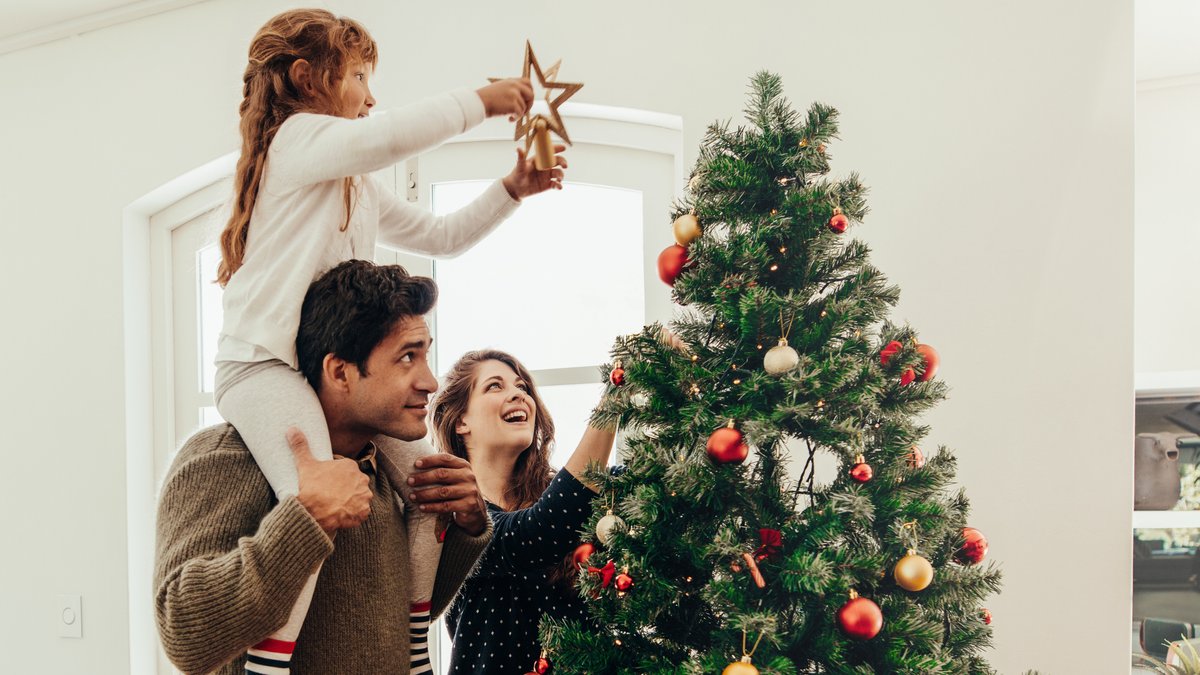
(303,203)
(489,413)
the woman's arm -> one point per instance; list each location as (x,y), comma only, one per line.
(594,448)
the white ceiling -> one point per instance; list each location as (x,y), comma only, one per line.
(1167,32)
(26,23)
(24,16)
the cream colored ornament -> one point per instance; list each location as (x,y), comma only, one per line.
(780,359)
(607,524)
(687,229)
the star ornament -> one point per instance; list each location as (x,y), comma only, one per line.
(547,79)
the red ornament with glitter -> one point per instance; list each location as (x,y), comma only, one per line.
(727,445)
(974,548)
(861,471)
(860,618)
(624,582)
(839,221)
(932,360)
(617,375)
(916,458)
(582,553)
(671,262)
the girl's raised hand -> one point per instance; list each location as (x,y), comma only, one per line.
(525,178)
(511,97)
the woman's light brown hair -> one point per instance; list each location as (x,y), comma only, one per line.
(329,43)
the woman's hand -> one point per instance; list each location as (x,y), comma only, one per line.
(526,179)
(453,489)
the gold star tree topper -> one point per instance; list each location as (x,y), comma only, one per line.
(536,128)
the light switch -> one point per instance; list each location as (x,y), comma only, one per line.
(69,614)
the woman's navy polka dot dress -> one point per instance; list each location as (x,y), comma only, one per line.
(495,619)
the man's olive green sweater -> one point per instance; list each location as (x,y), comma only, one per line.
(231,560)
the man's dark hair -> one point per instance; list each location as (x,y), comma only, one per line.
(351,308)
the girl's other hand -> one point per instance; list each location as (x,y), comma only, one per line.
(511,97)
(525,178)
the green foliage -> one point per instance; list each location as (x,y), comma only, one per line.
(768,267)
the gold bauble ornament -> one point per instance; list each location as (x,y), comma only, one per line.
(780,359)
(913,572)
(743,667)
(607,524)
(687,229)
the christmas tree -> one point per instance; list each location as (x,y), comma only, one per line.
(704,556)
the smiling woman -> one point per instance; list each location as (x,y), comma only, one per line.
(489,413)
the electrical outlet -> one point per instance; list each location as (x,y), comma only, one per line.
(69,615)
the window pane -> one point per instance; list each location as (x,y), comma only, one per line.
(209,416)
(570,405)
(210,313)
(1166,565)
(553,285)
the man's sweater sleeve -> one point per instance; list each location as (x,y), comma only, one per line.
(460,553)
(228,568)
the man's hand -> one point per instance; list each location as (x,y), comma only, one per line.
(511,97)
(526,179)
(453,490)
(336,492)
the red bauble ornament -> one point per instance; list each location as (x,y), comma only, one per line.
(671,262)
(974,548)
(916,458)
(624,582)
(582,552)
(541,666)
(888,351)
(839,221)
(617,375)
(931,361)
(986,616)
(861,471)
(727,446)
(860,618)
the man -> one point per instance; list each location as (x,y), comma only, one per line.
(231,560)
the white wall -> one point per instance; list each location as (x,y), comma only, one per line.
(1166,324)
(997,141)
